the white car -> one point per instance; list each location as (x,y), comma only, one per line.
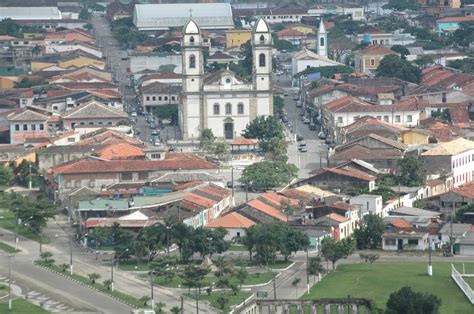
(133,114)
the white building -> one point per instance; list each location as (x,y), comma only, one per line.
(222,101)
(368,203)
(30,13)
(154,60)
(152,17)
(356,13)
(454,159)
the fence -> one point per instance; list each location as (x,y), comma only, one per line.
(465,287)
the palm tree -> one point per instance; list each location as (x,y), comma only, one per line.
(46,257)
(159,307)
(241,274)
(93,277)
(64,267)
(175,310)
(145,299)
(107,283)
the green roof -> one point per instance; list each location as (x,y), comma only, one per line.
(161,199)
(103,204)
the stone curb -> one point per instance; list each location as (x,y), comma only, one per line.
(85,285)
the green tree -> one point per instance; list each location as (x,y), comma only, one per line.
(107,283)
(402,5)
(10,28)
(460,212)
(167,112)
(249,240)
(278,105)
(268,174)
(465,65)
(277,150)
(333,250)
(424,61)
(181,235)
(6,175)
(241,275)
(84,14)
(64,267)
(164,266)
(412,171)
(386,193)
(99,235)
(175,310)
(315,266)
(464,35)
(93,277)
(327,71)
(193,276)
(24,175)
(402,50)
(207,139)
(369,235)
(406,301)
(145,299)
(203,239)
(47,257)
(264,129)
(222,301)
(394,66)
(35,213)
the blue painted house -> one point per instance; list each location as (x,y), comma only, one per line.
(451,24)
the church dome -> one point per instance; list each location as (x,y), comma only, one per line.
(191,28)
(261,26)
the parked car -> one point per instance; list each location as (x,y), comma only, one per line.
(306,121)
(152,126)
(299,137)
(322,135)
(155,133)
(312,127)
(303,149)
(299,104)
(133,114)
(172,148)
(302,144)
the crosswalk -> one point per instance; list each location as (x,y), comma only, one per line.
(40,299)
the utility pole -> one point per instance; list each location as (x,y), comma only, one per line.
(232,179)
(29,183)
(182,305)
(70,255)
(307,270)
(274,287)
(9,282)
(152,295)
(430,267)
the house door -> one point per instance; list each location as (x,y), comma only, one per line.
(229,130)
(400,245)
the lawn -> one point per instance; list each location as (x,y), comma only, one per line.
(237,248)
(379,280)
(252,279)
(7,221)
(98,285)
(8,248)
(233,299)
(20,306)
(470,281)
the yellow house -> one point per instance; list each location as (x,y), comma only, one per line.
(237,37)
(7,82)
(77,62)
(368,59)
(82,61)
(305,29)
(33,35)
(415,137)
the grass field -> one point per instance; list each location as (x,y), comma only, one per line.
(379,280)
(252,279)
(233,299)
(20,306)
(470,281)
(8,248)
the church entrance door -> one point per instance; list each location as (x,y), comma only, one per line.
(228,130)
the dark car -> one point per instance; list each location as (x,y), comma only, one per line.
(299,137)
(303,149)
(312,127)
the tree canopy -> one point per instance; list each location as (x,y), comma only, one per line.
(264,129)
(327,71)
(402,50)
(394,66)
(465,65)
(268,174)
(334,250)
(369,235)
(460,213)
(464,35)
(406,301)
(412,171)
(402,5)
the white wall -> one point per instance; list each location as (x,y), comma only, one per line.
(153,62)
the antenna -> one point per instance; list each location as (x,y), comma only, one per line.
(191,12)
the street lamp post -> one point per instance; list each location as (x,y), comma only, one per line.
(430,267)
(112,269)
(307,270)
(168,240)
(152,295)
(9,282)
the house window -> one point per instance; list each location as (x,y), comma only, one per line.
(240,108)
(409,118)
(160,98)
(191,39)
(261,60)
(385,118)
(372,61)
(379,117)
(83,123)
(153,98)
(109,123)
(228,108)
(100,123)
(397,118)
(71,139)
(33,127)
(390,241)
(412,241)
(173,98)
(321,42)
(339,119)
(25,127)
(147,98)
(17,127)
(91,123)
(216,109)
(166,98)
(192,61)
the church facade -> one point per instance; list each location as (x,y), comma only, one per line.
(222,101)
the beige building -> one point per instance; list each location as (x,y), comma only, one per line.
(367,60)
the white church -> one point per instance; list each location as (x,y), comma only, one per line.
(223,101)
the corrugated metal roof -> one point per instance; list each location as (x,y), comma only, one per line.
(163,16)
(30,13)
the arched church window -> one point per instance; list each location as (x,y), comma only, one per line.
(262,38)
(191,39)
(192,61)
(321,41)
(261,60)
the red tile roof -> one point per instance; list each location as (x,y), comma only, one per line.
(114,166)
(466,190)
(278,200)
(377,50)
(342,172)
(121,151)
(266,209)
(231,220)
(363,153)
(456,19)
(400,224)
(290,32)
(243,141)
(338,218)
